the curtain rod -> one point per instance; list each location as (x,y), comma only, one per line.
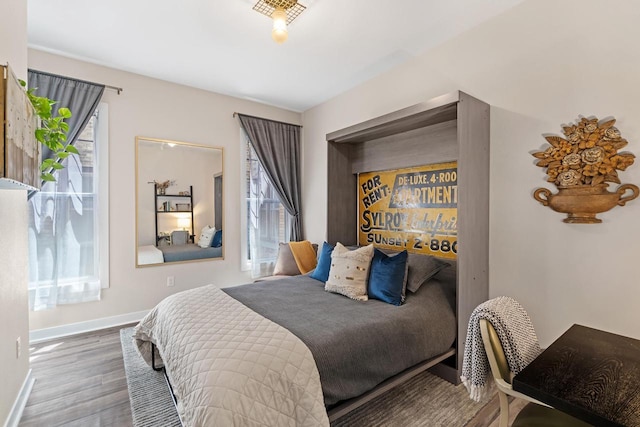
(235,113)
(116,88)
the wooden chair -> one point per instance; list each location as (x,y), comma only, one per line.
(535,413)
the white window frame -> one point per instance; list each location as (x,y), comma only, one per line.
(102,138)
(245,262)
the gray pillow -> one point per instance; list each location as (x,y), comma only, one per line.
(286,263)
(421,269)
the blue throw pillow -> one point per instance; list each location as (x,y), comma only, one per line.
(387,277)
(321,272)
(216,242)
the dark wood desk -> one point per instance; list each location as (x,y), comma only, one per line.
(590,374)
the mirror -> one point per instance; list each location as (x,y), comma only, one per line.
(178,202)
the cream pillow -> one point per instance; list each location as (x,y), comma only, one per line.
(206,236)
(349,272)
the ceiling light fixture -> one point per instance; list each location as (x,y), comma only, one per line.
(283,13)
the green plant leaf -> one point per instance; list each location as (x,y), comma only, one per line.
(41,135)
(22,83)
(64,113)
(51,145)
(52,132)
(71,149)
(43,107)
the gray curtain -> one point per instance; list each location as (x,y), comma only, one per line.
(277,146)
(81,97)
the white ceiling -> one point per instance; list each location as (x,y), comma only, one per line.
(224,46)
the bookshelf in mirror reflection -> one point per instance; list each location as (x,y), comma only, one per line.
(175,206)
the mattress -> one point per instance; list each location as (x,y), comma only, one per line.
(356,344)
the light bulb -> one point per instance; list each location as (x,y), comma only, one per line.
(279,32)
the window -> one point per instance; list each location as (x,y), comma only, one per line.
(68,225)
(265,221)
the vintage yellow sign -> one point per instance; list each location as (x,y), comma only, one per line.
(414,209)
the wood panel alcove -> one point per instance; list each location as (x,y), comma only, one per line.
(452,127)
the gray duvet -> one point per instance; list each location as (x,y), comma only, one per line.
(356,345)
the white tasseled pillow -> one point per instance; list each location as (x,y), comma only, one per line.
(349,272)
(206,236)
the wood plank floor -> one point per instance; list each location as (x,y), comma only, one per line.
(80,381)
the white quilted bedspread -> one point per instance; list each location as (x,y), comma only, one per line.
(229,366)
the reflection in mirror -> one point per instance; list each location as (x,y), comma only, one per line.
(178,202)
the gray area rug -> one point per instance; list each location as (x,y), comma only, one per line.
(425,400)
(151,403)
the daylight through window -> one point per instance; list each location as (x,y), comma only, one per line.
(65,228)
(267,220)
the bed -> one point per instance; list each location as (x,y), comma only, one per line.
(189,251)
(354,346)
(149,254)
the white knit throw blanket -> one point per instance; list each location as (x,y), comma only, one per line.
(516,333)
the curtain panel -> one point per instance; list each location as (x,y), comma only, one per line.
(277,146)
(60,215)
(81,97)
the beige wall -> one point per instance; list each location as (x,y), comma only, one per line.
(539,65)
(14,318)
(13,36)
(154,108)
(14,309)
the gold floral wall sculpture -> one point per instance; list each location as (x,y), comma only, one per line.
(582,165)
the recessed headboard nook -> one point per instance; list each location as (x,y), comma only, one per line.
(452,127)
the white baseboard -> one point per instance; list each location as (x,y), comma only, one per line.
(39,335)
(21,401)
